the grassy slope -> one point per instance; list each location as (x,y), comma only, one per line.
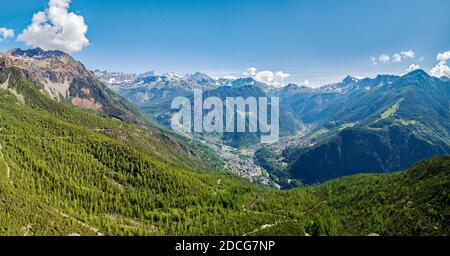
(395,125)
(414,202)
(64,170)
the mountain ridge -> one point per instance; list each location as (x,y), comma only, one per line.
(66,170)
(391,126)
(62,78)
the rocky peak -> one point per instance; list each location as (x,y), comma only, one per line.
(418,73)
(148,74)
(41,65)
(244,81)
(350,79)
(36,53)
(198,76)
(62,78)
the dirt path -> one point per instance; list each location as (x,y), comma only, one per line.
(265,226)
(95,230)
(261,228)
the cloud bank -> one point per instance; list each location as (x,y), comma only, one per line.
(56,29)
(396,57)
(275,79)
(408,54)
(6,33)
(441,69)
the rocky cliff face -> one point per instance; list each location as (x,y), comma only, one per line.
(62,78)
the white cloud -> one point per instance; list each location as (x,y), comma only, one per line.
(306,82)
(408,54)
(275,79)
(397,57)
(412,67)
(56,29)
(384,58)
(441,69)
(6,33)
(443,57)
(250,71)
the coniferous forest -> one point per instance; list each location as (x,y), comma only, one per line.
(68,171)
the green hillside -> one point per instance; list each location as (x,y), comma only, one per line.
(160,108)
(415,202)
(383,125)
(67,171)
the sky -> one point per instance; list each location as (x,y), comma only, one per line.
(278,41)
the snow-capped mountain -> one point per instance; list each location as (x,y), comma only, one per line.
(152,79)
(152,87)
(348,84)
(114,78)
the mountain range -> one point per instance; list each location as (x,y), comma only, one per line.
(375,125)
(78,159)
(62,78)
(154,93)
(380,124)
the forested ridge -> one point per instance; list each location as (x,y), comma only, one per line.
(67,171)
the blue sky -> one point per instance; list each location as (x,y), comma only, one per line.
(319,41)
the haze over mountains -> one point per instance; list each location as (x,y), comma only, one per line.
(78,159)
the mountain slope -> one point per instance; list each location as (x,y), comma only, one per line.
(249,88)
(386,125)
(357,150)
(66,171)
(154,94)
(62,78)
(72,163)
(414,202)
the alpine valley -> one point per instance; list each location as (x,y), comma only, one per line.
(90,153)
